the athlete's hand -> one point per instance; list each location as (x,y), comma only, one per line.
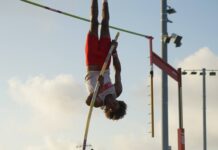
(89,99)
(115,43)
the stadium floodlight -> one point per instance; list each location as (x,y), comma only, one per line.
(170,10)
(175,38)
(213,73)
(193,73)
(184,73)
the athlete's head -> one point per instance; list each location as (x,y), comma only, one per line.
(115,109)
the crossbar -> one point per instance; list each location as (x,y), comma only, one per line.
(84,19)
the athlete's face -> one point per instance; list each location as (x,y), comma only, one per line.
(113,104)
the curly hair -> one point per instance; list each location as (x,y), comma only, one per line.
(116,115)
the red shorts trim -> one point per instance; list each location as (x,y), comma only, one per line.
(96,50)
(105,87)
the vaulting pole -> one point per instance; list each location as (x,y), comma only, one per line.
(96,91)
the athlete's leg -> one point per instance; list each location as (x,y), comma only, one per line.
(94,17)
(91,48)
(105,20)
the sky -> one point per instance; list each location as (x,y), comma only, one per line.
(42,91)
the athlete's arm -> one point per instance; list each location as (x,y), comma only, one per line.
(117,68)
(98,101)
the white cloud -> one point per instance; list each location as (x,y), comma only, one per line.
(56,101)
(54,144)
(132,141)
(204,57)
(60,95)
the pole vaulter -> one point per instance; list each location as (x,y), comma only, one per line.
(176,75)
(96,92)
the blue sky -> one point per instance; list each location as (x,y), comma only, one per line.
(43,69)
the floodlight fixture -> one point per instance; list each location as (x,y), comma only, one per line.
(193,73)
(176,39)
(213,73)
(184,73)
(166,39)
(170,10)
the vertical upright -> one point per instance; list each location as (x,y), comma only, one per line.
(152,91)
(181,131)
(164,76)
(204,110)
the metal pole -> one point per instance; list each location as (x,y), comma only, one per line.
(204,110)
(165,141)
(180,100)
(152,103)
(152,87)
(181,131)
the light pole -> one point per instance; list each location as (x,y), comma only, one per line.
(165,138)
(204,110)
(203,73)
(165,39)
